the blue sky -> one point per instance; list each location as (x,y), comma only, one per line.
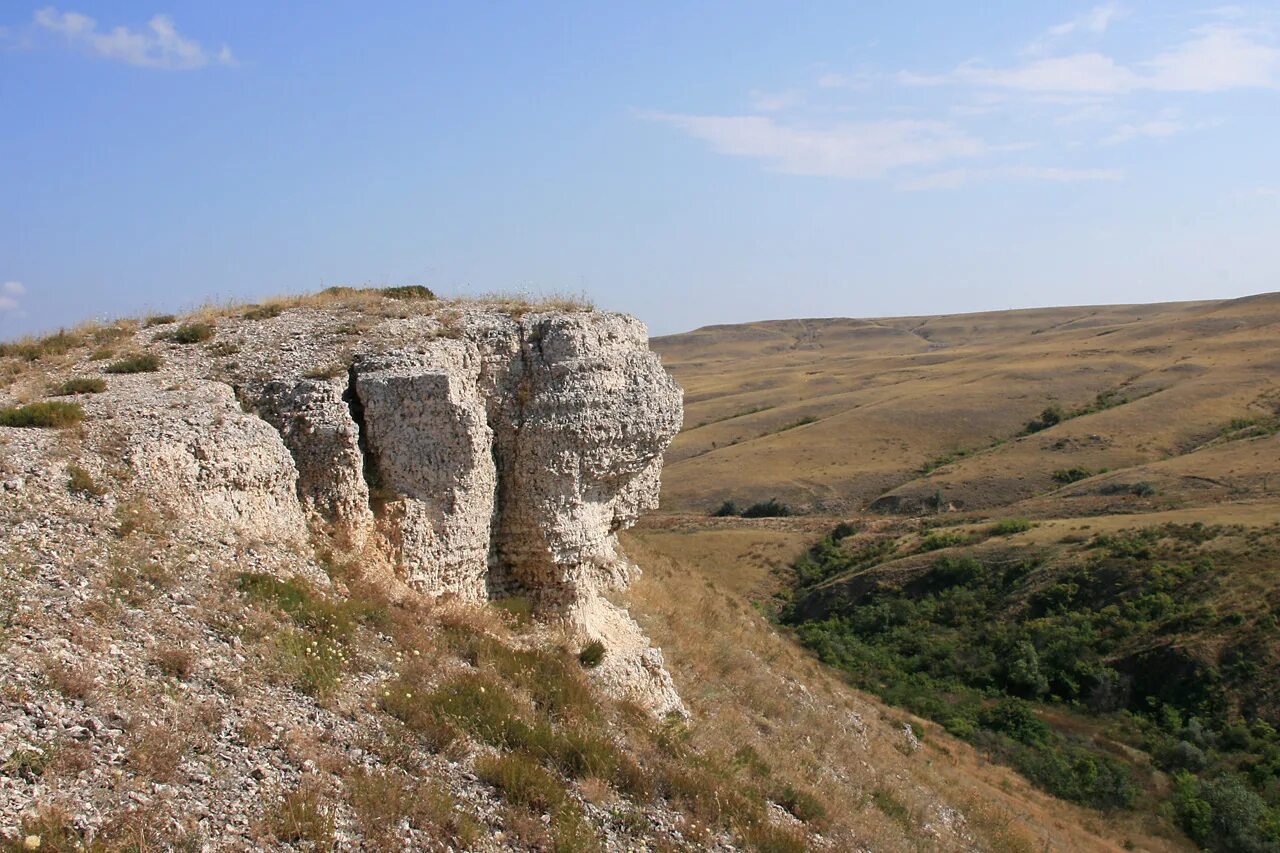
(691,163)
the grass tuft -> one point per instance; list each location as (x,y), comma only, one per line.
(142,362)
(47,414)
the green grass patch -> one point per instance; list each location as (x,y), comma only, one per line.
(79,385)
(46,414)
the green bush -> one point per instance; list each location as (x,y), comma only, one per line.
(1051,416)
(143,362)
(55,414)
(726,509)
(592,654)
(771,508)
(159,320)
(1071,475)
(192,333)
(1010,526)
(79,385)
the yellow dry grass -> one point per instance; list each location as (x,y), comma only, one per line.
(892,396)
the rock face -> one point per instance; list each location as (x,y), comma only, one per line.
(481,455)
(206,459)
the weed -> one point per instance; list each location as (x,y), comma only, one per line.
(81,482)
(304,815)
(158,320)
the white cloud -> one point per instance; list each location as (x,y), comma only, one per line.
(1157,129)
(1216,58)
(1260,192)
(862,150)
(158,45)
(10,292)
(1094,22)
(772,102)
(956,178)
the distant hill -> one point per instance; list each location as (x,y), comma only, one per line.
(840,414)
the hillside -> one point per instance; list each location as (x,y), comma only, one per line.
(1053,532)
(330,573)
(835,415)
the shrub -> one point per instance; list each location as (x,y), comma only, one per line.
(81,482)
(1010,526)
(159,320)
(192,333)
(592,654)
(1051,416)
(771,508)
(726,509)
(1071,475)
(142,362)
(935,541)
(79,385)
(843,530)
(55,414)
(409,292)
(263,312)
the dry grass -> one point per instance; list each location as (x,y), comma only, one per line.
(894,398)
(304,815)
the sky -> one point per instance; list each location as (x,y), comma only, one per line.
(691,163)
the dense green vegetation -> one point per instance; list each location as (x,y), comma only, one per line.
(1115,637)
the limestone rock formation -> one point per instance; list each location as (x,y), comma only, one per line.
(474,454)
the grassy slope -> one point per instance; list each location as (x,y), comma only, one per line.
(893,396)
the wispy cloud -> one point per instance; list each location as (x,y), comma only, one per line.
(956,178)
(772,102)
(157,45)
(1094,22)
(861,150)
(1156,129)
(10,294)
(1216,58)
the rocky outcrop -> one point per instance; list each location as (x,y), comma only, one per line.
(476,455)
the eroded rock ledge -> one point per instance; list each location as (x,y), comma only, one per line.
(478,456)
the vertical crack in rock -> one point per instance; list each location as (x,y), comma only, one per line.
(368,465)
